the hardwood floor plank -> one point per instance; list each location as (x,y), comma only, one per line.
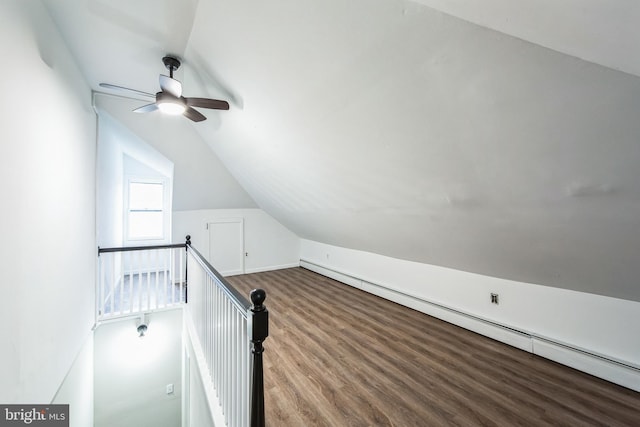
(338,356)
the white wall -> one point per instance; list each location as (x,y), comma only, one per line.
(131,373)
(115,142)
(269,244)
(47,224)
(110,187)
(198,412)
(77,388)
(597,324)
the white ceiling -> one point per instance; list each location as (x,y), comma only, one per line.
(601,31)
(391,127)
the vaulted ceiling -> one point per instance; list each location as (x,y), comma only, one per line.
(482,136)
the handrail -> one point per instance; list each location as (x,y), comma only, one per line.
(255,332)
(140,248)
(229,290)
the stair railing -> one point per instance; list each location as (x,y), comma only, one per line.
(230,332)
(140,279)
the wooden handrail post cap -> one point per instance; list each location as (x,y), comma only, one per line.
(260,320)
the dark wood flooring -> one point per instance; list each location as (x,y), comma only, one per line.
(337,356)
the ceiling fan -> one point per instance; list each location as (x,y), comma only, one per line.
(170,100)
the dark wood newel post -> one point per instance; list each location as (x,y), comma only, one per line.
(187,243)
(259,331)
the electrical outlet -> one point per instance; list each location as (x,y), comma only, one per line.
(494,298)
(169,388)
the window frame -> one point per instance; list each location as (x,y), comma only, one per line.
(164,210)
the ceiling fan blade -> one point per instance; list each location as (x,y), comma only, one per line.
(146,108)
(126,89)
(214,104)
(172,86)
(194,115)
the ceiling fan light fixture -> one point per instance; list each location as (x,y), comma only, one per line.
(171,107)
(170,104)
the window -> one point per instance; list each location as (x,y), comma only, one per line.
(145,210)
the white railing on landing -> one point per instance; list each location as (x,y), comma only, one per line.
(140,279)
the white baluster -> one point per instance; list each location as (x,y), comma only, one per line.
(101,302)
(156,269)
(121,277)
(112,285)
(131,265)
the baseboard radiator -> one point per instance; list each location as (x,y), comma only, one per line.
(602,366)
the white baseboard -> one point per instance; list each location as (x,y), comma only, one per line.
(270,268)
(602,366)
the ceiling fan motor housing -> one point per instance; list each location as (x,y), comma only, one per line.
(171,63)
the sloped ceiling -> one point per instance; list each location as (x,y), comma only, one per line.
(394,128)
(200,180)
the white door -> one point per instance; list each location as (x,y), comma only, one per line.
(226,245)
